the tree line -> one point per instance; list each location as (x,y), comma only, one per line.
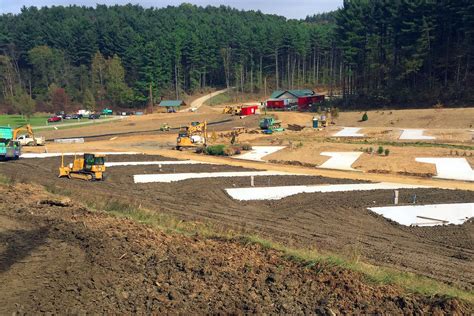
(376,51)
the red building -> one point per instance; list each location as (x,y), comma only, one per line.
(249,110)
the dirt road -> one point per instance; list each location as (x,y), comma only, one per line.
(196,104)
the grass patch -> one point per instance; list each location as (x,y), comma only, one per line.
(219,99)
(17,120)
(411,282)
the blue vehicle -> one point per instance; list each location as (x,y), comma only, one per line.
(9,148)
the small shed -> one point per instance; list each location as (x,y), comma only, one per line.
(172,105)
(249,110)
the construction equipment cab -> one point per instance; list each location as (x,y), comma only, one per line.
(194,135)
(90,167)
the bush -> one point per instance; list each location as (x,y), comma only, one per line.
(380,150)
(387,152)
(229,151)
(246,147)
(216,150)
(365,117)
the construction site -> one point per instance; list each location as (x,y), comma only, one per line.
(263,207)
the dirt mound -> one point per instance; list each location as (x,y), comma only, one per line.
(61,258)
(337,222)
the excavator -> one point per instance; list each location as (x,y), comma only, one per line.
(24,134)
(89,167)
(194,135)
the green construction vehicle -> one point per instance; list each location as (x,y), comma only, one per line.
(9,148)
(269,125)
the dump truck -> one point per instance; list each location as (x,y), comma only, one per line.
(194,135)
(9,148)
(24,134)
(89,167)
(268,125)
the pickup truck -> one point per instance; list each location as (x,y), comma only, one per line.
(26,140)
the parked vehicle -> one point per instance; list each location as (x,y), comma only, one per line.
(76,117)
(84,112)
(107,111)
(94,116)
(55,119)
(67,117)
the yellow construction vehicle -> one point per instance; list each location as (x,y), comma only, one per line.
(89,167)
(194,135)
(24,134)
(233,110)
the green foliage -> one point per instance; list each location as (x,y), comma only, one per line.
(380,150)
(89,100)
(23,103)
(387,152)
(365,117)
(376,52)
(215,150)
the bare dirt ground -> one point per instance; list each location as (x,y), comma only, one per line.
(58,257)
(461,118)
(332,221)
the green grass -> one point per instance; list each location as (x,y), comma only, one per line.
(41,120)
(17,120)
(219,99)
(412,283)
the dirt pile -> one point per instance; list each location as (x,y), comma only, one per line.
(336,222)
(61,258)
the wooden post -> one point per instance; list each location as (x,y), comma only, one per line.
(252,181)
(395,197)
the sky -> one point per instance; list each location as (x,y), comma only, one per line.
(296,9)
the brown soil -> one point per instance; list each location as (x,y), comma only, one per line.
(338,222)
(57,257)
(425,118)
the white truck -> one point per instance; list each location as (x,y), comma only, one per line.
(27,140)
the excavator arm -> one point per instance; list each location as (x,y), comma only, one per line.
(24,129)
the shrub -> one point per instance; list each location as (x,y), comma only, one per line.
(246,147)
(387,152)
(228,151)
(380,150)
(216,150)
(370,150)
(365,117)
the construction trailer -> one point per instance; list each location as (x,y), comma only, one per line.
(249,110)
(9,148)
(305,103)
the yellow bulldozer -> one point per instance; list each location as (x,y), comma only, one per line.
(89,167)
(194,135)
(233,110)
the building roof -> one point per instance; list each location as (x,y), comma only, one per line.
(172,103)
(296,93)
